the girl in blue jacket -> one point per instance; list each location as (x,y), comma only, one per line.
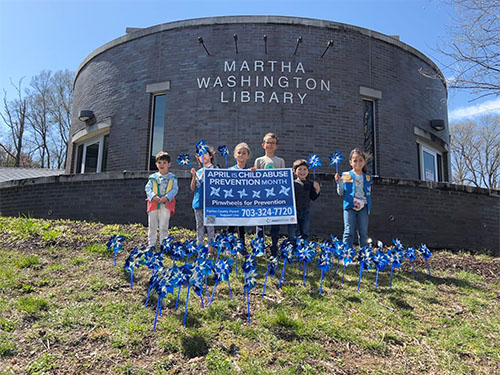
(355,187)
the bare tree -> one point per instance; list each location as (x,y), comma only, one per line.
(474,47)
(39,115)
(14,116)
(476,152)
(61,100)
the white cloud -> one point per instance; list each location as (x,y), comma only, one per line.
(485,108)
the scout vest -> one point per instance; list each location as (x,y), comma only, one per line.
(170,205)
(349,189)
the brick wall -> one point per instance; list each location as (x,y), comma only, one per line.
(441,215)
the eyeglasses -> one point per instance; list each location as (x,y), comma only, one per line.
(270,143)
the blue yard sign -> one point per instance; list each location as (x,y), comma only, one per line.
(241,197)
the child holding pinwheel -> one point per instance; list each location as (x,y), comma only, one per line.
(241,154)
(206,159)
(270,161)
(305,192)
(161,190)
(355,187)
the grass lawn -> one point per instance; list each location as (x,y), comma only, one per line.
(64,309)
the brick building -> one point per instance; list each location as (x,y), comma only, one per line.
(321,86)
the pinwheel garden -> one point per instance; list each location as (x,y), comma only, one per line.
(66,308)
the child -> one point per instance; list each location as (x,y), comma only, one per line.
(355,186)
(160,191)
(305,192)
(241,154)
(206,160)
(270,160)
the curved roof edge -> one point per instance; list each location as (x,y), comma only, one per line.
(140,33)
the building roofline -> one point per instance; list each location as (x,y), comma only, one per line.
(137,33)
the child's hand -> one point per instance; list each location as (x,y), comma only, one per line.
(253,169)
(163,200)
(337,177)
(316,186)
(193,172)
(156,198)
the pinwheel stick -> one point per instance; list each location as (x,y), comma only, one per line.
(116,250)
(158,305)
(213,292)
(229,286)
(343,275)
(428,268)
(236,263)
(248,303)
(376,280)
(131,277)
(304,274)
(147,297)
(413,269)
(321,282)
(282,277)
(177,300)
(201,299)
(186,309)
(360,274)
(265,282)
(391,277)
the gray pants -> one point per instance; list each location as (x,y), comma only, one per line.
(200,229)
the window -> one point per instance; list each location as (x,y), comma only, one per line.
(92,155)
(430,164)
(369,131)
(157,127)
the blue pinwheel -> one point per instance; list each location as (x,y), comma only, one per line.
(365,258)
(348,256)
(395,255)
(336,159)
(223,151)
(381,260)
(165,285)
(177,251)
(258,246)
(314,161)
(426,254)
(286,252)
(250,283)
(184,275)
(184,160)
(166,245)
(115,243)
(201,147)
(272,266)
(190,248)
(134,260)
(411,254)
(305,253)
(237,248)
(324,261)
(196,281)
(222,269)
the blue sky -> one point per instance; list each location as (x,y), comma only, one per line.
(38,35)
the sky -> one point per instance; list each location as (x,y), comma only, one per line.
(38,35)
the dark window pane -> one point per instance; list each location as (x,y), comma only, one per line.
(368,126)
(440,168)
(158,127)
(105,153)
(79,155)
(429,169)
(91,158)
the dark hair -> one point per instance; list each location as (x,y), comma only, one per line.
(297,163)
(364,155)
(162,155)
(210,152)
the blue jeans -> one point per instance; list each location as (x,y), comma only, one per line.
(353,219)
(302,226)
(275,234)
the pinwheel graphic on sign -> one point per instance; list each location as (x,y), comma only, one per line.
(426,254)
(336,159)
(314,161)
(115,244)
(223,151)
